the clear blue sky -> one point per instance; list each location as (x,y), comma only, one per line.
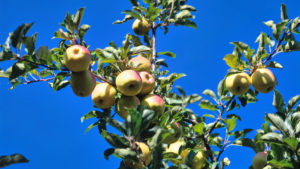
(45,125)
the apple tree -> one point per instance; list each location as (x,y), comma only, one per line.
(157,129)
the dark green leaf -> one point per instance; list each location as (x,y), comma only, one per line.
(78,17)
(272,138)
(126,153)
(133,14)
(246,142)
(126,18)
(277,122)
(210,93)
(281,164)
(114,139)
(82,30)
(63,35)
(19,34)
(274,64)
(292,142)
(108,152)
(206,104)
(20,68)
(292,103)
(278,103)
(242,133)
(91,114)
(283,12)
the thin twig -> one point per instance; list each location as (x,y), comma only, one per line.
(153,45)
(39,64)
(102,79)
(39,80)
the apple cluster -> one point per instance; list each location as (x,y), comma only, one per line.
(263,80)
(135,83)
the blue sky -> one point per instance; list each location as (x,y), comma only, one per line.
(45,125)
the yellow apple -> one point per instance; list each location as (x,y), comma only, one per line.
(263,80)
(238,83)
(77,58)
(148,82)
(140,63)
(124,103)
(260,160)
(145,157)
(174,136)
(199,160)
(175,148)
(83,83)
(129,83)
(103,95)
(155,103)
(141,27)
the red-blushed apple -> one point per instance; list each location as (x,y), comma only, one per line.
(148,82)
(263,80)
(103,95)
(260,160)
(83,83)
(77,58)
(140,63)
(154,102)
(124,103)
(141,27)
(129,83)
(238,83)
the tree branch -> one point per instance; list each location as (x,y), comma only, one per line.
(39,80)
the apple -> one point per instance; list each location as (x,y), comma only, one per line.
(155,103)
(175,148)
(146,156)
(83,83)
(260,160)
(124,103)
(199,160)
(174,136)
(129,83)
(238,83)
(77,58)
(103,95)
(263,80)
(140,63)
(141,27)
(148,82)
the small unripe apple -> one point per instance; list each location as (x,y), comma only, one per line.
(140,63)
(260,160)
(83,83)
(155,103)
(103,95)
(124,103)
(148,82)
(238,83)
(146,156)
(129,83)
(77,58)
(141,27)
(263,80)
(176,135)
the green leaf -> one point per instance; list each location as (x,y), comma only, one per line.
(43,55)
(246,142)
(126,18)
(82,30)
(292,142)
(273,64)
(19,34)
(294,25)
(63,35)
(230,124)
(210,93)
(187,7)
(231,60)
(283,12)
(45,73)
(20,68)
(185,14)
(199,128)
(194,98)
(242,133)
(221,88)
(206,104)
(133,14)
(29,43)
(114,139)
(91,114)
(59,82)
(186,22)
(277,122)
(91,126)
(272,138)
(78,17)
(134,2)
(167,53)
(281,164)
(292,103)
(126,153)
(138,49)
(108,152)
(279,103)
